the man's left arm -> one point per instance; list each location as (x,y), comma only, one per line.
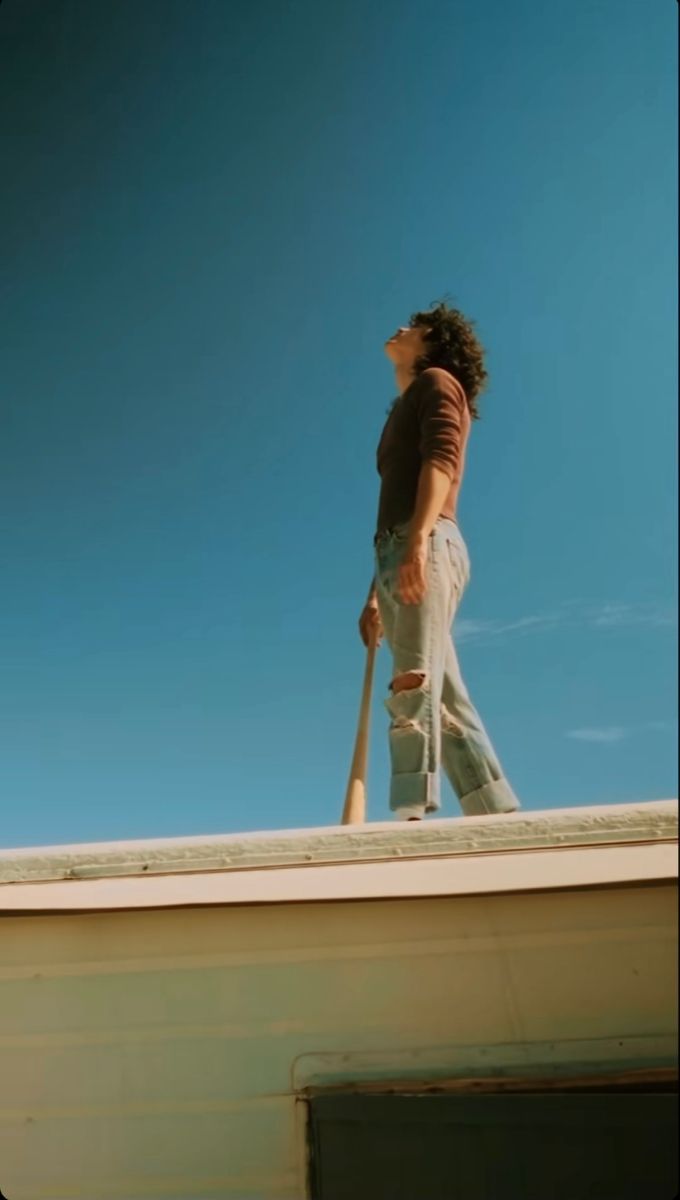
(433,486)
(440,423)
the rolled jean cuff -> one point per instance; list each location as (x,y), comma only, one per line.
(415,790)
(496,797)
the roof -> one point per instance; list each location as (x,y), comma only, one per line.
(607,845)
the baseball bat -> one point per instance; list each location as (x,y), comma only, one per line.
(354,811)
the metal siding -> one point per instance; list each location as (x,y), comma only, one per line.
(158,1053)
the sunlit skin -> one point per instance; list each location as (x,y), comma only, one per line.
(403,349)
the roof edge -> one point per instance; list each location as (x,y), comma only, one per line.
(648,821)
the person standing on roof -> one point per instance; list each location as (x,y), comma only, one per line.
(422,568)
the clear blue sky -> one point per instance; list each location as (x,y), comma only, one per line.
(212,216)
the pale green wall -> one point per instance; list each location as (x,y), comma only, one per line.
(158,1053)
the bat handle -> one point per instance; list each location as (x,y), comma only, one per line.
(354,810)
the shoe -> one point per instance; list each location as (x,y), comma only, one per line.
(410,812)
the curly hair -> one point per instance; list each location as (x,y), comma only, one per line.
(453,345)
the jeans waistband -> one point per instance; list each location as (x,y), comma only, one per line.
(383,534)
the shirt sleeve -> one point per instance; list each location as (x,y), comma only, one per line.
(440,404)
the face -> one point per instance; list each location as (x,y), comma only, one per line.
(406,346)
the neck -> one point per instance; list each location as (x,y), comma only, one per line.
(404,377)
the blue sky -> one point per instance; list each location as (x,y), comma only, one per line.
(214,216)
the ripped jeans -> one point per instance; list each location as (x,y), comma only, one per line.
(435,723)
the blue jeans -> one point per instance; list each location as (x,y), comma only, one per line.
(435,723)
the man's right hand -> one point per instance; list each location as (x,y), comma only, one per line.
(370,625)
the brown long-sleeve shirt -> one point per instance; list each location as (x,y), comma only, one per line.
(430,422)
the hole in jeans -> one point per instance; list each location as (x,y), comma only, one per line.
(451,725)
(408,681)
(404,725)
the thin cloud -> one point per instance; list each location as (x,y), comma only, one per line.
(616,616)
(608,735)
(571,615)
(468,629)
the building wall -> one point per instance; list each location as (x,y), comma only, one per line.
(160,1053)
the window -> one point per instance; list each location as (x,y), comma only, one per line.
(576,1145)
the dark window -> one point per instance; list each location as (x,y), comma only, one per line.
(552,1146)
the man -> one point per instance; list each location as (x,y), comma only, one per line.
(422,568)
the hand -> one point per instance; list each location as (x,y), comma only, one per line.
(412,579)
(370,625)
